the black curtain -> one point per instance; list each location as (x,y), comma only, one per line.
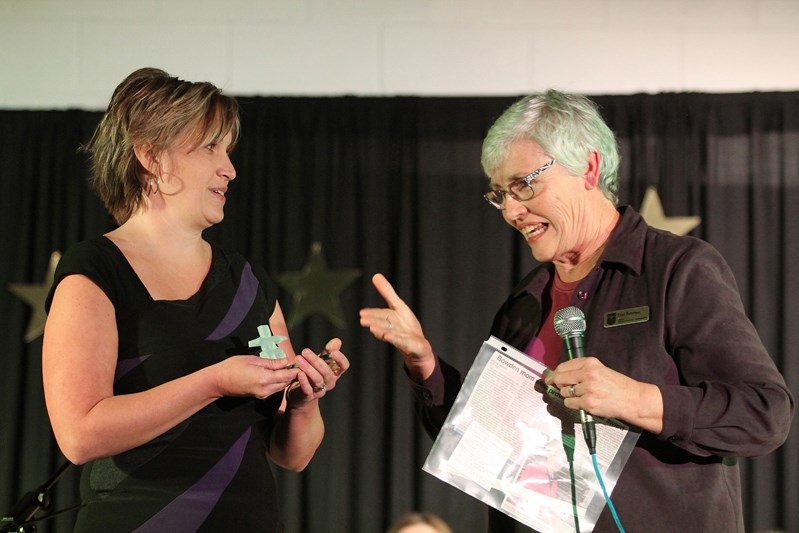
(394,185)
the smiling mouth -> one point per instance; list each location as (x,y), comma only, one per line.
(535,230)
(220,192)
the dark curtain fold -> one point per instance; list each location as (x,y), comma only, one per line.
(394,185)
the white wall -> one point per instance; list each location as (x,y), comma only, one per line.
(72,53)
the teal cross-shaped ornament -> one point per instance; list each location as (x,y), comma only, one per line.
(268,343)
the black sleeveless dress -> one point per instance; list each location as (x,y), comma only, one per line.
(209,473)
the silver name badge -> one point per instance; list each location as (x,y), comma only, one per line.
(622,317)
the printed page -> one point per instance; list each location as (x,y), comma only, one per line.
(510,442)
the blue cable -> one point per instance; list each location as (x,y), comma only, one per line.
(605,492)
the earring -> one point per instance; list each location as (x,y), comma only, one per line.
(152,185)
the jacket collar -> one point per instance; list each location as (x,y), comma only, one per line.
(627,242)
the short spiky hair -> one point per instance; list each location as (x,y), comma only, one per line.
(567,126)
(150,107)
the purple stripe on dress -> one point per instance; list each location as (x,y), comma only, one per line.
(126,365)
(188,511)
(242,302)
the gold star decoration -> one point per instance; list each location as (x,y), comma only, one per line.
(34,294)
(652,211)
(315,289)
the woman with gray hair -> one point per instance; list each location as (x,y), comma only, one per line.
(689,370)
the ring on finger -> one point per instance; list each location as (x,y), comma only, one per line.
(572,392)
(320,389)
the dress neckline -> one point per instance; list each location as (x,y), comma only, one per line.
(132,271)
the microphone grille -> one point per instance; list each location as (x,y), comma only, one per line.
(568,321)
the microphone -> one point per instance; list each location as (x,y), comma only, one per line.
(569,324)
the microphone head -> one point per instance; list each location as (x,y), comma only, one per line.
(569,321)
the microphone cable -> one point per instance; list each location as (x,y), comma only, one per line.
(605,494)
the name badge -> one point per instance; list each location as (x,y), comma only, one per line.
(623,317)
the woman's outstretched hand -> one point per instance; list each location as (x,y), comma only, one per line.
(397,325)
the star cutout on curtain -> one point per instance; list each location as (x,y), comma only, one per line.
(315,289)
(652,211)
(34,294)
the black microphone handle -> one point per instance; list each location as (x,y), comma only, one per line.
(574,347)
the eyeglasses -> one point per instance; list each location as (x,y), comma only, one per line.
(520,189)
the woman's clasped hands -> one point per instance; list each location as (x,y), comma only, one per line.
(309,378)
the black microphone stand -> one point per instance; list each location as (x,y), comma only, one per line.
(20,518)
